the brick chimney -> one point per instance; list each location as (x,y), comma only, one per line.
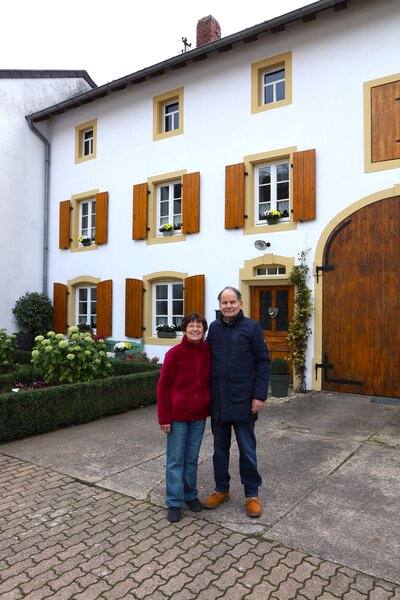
(208,30)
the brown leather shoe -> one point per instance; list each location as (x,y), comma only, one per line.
(216,499)
(253,507)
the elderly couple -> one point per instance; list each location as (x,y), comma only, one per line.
(239,369)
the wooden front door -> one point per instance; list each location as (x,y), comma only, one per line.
(361,303)
(272,306)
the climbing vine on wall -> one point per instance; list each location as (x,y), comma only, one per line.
(299,331)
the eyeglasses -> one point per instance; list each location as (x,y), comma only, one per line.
(194,326)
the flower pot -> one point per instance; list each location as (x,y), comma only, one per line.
(167,233)
(272,220)
(162,334)
(86,243)
(120,355)
(279,385)
(25,341)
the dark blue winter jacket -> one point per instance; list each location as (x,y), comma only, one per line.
(239,367)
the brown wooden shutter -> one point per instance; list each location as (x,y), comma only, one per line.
(139,226)
(64,225)
(191,203)
(133,308)
(234,196)
(59,308)
(101,217)
(385,121)
(194,294)
(304,197)
(104,307)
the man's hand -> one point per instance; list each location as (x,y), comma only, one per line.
(165,428)
(256,406)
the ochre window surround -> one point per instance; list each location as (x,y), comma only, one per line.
(159,104)
(258,69)
(80,131)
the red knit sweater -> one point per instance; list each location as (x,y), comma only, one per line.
(183,390)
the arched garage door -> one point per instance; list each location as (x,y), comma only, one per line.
(361,302)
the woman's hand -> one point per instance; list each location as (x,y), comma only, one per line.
(165,428)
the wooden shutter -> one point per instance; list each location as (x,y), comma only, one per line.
(101,217)
(194,294)
(64,225)
(139,226)
(104,307)
(385,121)
(133,308)
(191,203)
(234,196)
(304,198)
(59,308)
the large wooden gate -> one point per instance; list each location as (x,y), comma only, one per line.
(361,302)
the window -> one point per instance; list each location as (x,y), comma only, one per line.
(168,114)
(168,304)
(171,198)
(264,271)
(283,180)
(273,86)
(272,189)
(87,219)
(271,82)
(171,116)
(85,141)
(86,306)
(169,205)
(382,123)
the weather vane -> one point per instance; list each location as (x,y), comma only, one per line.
(186,45)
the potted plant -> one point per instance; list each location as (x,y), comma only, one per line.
(279,377)
(166,331)
(84,240)
(167,229)
(272,216)
(34,315)
(120,349)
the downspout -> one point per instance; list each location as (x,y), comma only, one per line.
(45,203)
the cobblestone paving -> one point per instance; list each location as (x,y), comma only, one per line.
(63,539)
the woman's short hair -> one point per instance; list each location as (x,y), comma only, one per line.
(194,316)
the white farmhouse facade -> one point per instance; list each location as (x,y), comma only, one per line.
(300,114)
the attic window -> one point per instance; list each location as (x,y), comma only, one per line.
(85,141)
(168,114)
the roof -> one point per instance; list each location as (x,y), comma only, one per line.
(45,74)
(225,44)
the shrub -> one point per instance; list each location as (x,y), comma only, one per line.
(77,358)
(30,412)
(6,345)
(34,313)
(279,366)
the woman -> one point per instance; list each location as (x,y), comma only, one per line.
(183,404)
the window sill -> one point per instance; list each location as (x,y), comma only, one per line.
(261,228)
(84,248)
(160,239)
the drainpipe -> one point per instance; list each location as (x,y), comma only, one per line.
(45,203)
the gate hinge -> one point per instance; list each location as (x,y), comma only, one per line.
(325,365)
(324,268)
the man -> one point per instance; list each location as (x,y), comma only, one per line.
(239,385)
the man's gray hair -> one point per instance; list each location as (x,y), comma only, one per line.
(229,287)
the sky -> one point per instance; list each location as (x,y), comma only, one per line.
(110,39)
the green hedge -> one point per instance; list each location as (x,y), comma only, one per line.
(31,412)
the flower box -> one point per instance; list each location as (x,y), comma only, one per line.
(164,334)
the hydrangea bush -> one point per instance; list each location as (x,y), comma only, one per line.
(6,346)
(70,359)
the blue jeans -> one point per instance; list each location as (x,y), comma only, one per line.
(246,440)
(183,447)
